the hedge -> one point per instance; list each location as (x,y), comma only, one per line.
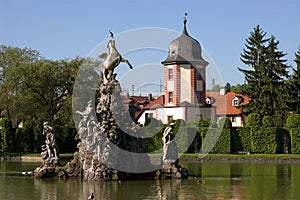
(221,143)
(268,121)
(295,140)
(7,136)
(224,123)
(263,140)
(240,139)
(188,140)
(253,119)
(293,121)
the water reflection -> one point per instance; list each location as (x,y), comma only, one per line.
(210,181)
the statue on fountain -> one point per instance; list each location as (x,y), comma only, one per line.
(99,139)
(100,135)
(170,153)
(50,148)
(171,168)
(50,153)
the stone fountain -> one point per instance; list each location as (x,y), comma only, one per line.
(104,138)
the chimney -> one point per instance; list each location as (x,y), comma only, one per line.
(222,91)
(149,96)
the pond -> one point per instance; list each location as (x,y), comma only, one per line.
(210,180)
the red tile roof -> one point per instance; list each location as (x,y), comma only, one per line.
(155,103)
(147,104)
(224,102)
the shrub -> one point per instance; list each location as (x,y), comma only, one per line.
(224,123)
(153,143)
(213,144)
(263,140)
(195,123)
(195,146)
(240,139)
(253,119)
(295,140)
(293,121)
(7,136)
(267,121)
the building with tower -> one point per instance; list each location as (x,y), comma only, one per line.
(184,84)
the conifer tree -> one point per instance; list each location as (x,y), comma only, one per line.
(254,55)
(265,82)
(293,86)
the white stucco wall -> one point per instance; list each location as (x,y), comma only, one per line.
(238,122)
(163,113)
(142,118)
(198,113)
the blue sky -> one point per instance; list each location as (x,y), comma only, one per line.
(69,28)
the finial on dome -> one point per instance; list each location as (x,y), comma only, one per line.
(184,23)
(184,19)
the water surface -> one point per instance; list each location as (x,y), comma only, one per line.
(209,181)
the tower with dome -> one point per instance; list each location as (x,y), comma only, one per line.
(184,83)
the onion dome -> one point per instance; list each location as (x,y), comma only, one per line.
(185,50)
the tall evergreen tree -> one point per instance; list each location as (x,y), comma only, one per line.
(265,83)
(274,87)
(293,86)
(254,55)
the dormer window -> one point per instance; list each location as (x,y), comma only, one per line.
(235,101)
(207,101)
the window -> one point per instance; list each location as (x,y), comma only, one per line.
(233,119)
(170,117)
(198,74)
(235,101)
(148,115)
(170,97)
(170,74)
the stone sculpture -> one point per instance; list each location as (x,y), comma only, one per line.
(100,135)
(50,148)
(50,153)
(170,168)
(170,153)
(111,61)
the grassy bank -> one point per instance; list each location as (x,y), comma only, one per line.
(280,158)
(229,156)
(30,157)
(277,158)
(33,154)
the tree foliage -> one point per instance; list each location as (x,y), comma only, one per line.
(293,86)
(265,81)
(36,88)
(236,88)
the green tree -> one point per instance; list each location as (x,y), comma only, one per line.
(228,87)
(216,88)
(11,60)
(265,81)
(34,88)
(236,88)
(293,87)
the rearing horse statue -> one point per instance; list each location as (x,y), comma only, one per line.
(111,61)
